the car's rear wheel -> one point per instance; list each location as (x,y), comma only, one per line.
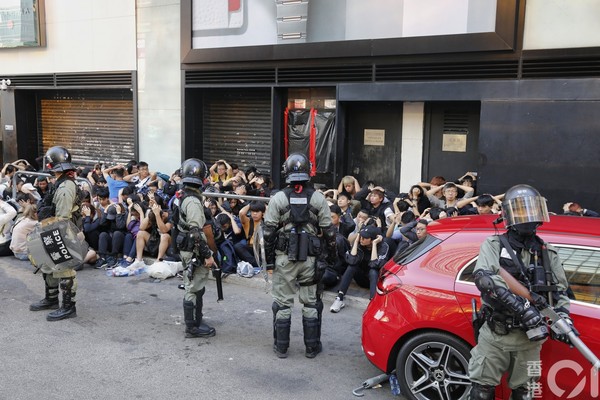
(434,366)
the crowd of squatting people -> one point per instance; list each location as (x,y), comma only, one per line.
(126,216)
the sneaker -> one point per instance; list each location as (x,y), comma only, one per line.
(137,264)
(110,262)
(337,305)
(99,263)
(124,263)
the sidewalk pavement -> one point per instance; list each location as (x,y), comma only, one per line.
(356,297)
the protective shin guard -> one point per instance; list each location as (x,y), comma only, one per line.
(482,392)
(50,302)
(520,393)
(312,337)
(67,310)
(282,337)
(205,330)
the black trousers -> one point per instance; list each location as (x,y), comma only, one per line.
(364,276)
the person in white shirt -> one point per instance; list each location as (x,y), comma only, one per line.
(7,216)
(22,227)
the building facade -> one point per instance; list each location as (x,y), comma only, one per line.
(396,91)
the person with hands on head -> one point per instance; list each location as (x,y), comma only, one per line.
(114,179)
(468,179)
(154,234)
(417,200)
(220,172)
(257,186)
(349,185)
(135,214)
(236,225)
(482,204)
(450,195)
(573,208)
(368,254)
(7,173)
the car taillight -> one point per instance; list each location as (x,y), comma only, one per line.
(388,281)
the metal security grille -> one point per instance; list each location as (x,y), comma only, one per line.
(92,129)
(237,128)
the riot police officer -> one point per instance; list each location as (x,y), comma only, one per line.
(63,203)
(295,218)
(191,242)
(513,330)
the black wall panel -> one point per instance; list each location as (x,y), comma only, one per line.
(551,145)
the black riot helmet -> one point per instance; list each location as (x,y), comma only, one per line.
(193,171)
(523,208)
(296,168)
(58,159)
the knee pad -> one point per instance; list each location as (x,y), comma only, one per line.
(276,308)
(66,283)
(317,306)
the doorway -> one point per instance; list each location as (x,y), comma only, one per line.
(451,145)
(374,142)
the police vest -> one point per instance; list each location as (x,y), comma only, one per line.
(299,211)
(178,218)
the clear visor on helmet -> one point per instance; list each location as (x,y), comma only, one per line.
(521,210)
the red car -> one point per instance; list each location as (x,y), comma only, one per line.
(419,322)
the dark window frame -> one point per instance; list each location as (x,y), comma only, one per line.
(465,274)
(506,37)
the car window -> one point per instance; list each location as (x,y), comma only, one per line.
(467,272)
(582,267)
(416,250)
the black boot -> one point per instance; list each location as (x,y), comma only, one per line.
(312,336)
(520,393)
(193,326)
(482,392)
(68,309)
(202,327)
(50,302)
(281,331)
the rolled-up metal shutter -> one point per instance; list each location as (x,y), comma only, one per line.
(93,129)
(237,128)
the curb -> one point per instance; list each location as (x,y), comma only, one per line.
(258,282)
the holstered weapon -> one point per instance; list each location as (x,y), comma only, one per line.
(558,324)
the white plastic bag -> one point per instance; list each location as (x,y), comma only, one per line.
(245,269)
(164,269)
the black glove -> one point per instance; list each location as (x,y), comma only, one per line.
(531,317)
(564,337)
(270,239)
(539,300)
